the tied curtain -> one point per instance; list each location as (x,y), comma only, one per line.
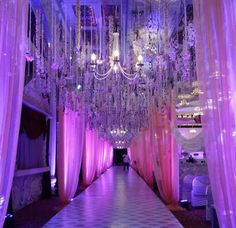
(155,152)
(71,144)
(215,23)
(12,70)
(98,156)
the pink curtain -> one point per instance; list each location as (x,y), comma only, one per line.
(142,158)
(71,144)
(88,166)
(154,152)
(12,66)
(215,23)
(98,156)
(165,155)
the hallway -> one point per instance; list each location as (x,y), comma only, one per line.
(116,199)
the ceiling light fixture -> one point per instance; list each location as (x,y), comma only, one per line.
(115,66)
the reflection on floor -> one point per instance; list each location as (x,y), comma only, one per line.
(116,199)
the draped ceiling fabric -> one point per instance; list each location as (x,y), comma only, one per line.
(154,152)
(98,156)
(12,67)
(189,142)
(216,57)
(71,144)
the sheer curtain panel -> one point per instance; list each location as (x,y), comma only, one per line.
(215,23)
(13,32)
(71,144)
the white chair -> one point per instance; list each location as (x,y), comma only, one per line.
(199,191)
(187,187)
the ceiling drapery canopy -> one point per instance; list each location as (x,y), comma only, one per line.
(114,59)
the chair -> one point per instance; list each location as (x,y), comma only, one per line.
(187,187)
(199,191)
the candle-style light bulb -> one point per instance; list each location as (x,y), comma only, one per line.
(116,54)
(140,58)
(93,57)
(115,68)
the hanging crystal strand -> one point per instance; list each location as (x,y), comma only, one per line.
(96,43)
(100,39)
(78,25)
(38,49)
(110,32)
(65,36)
(29,35)
(146,27)
(166,59)
(124,26)
(177,65)
(165,28)
(112,81)
(91,35)
(28,55)
(42,67)
(159,27)
(82,51)
(78,81)
(186,55)
(157,91)
(70,51)
(29,43)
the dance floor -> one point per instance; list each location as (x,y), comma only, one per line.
(116,199)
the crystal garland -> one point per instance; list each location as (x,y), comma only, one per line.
(41,66)
(119,108)
(116,107)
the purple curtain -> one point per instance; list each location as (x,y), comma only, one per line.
(215,23)
(71,144)
(13,31)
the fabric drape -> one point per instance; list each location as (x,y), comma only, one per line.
(98,156)
(141,157)
(71,144)
(165,156)
(154,152)
(89,167)
(216,69)
(188,143)
(12,67)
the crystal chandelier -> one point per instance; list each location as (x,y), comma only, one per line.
(115,66)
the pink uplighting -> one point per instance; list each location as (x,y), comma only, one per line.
(98,156)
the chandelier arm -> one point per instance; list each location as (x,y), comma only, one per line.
(127,75)
(102,76)
(99,78)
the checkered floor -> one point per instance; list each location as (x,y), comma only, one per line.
(116,199)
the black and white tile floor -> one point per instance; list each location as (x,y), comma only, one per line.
(116,199)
